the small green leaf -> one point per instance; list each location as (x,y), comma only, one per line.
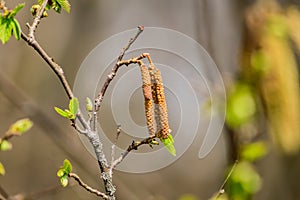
(254,151)
(69,114)
(88,105)
(21,126)
(64,171)
(60,173)
(56,6)
(16,29)
(67,167)
(2,169)
(5,29)
(61,112)
(73,106)
(5,145)
(16,9)
(65,5)
(169,144)
(64,181)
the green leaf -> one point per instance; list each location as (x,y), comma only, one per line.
(254,151)
(65,5)
(5,145)
(169,144)
(64,181)
(67,167)
(16,9)
(56,6)
(73,106)
(16,29)
(64,171)
(21,126)
(61,112)
(88,105)
(5,29)
(69,114)
(60,173)
(2,169)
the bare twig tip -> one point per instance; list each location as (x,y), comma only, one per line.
(141,27)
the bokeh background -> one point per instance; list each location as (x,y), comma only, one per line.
(230,30)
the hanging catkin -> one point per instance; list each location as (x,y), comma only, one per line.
(147,91)
(160,106)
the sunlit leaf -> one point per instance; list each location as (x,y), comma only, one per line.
(73,106)
(60,173)
(169,144)
(20,126)
(56,6)
(16,9)
(5,145)
(63,172)
(2,169)
(5,29)
(64,5)
(64,181)
(67,167)
(61,112)
(16,29)
(69,114)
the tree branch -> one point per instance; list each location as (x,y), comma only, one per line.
(133,146)
(90,130)
(113,149)
(88,188)
(92,135)
(50,61)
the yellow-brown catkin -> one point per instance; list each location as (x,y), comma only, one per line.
(160,106)
(147,91)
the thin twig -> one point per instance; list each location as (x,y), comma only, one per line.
(133,146)
(114,70)
(77,128)
(88,188)
(222,190)
(54,66)
(113,149)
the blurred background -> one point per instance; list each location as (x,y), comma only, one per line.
(255,45)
